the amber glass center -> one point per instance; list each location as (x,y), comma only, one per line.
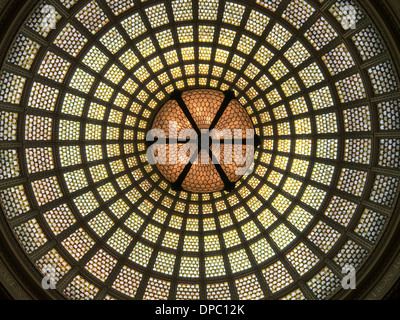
(207,142)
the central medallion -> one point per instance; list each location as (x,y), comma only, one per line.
(202,141)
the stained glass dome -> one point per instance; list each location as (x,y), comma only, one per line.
(82,83)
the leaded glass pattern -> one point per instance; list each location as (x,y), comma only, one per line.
(77,188)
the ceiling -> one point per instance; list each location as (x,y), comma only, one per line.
(78,193)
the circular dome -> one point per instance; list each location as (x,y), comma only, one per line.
(207,144)
(81,84)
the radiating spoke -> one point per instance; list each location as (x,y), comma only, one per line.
(177,96)
(229,186)
(229,96)
(167,141)
(177,185)
(256,141)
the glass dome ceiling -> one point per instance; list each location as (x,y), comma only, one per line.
(78,192)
